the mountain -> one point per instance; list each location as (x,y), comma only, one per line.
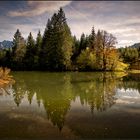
(136,45)
(6,44)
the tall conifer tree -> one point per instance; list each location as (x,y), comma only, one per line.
(57,43)
(18,50)
(30,52)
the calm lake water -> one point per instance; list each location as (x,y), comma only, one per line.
(71,105)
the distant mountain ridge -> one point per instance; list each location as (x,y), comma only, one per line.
(136,45)
(6,44)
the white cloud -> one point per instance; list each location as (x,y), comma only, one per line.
(38,8)
(122,19)
(119,18)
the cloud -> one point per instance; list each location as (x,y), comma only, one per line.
(38,7)
(121,18)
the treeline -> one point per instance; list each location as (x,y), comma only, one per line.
(129,54)
(58,50)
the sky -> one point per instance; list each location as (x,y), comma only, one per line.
(121,18)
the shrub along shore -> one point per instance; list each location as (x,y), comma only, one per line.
(5,78)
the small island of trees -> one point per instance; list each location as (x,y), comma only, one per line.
(58,50)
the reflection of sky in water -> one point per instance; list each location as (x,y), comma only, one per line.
(128,96)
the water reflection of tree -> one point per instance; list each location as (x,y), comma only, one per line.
(56,97)
(53,91)
(131,81)
(98,92)
(6,90)
(56,91)
(21,91)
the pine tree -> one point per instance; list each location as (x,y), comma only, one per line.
(38,42)
(75,49)
(92,40)
(57,43)
(30,53)
(18,50)
(99,51)
(46,47)
(83,43)
(37,50)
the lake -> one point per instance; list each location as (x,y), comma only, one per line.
(70,105)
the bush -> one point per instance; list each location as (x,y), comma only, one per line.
(121,66)
(86,60)
(5,78)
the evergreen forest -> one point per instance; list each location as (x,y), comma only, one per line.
(58,50)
